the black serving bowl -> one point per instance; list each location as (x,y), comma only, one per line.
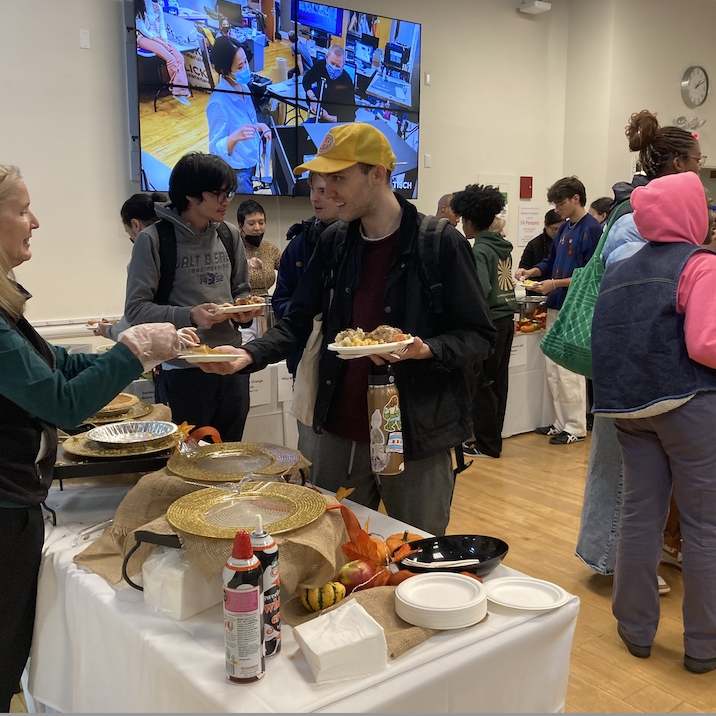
(456,553)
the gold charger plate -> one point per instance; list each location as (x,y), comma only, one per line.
(220,514)
(84,447)
(120,404)
(229,462)
(136,411)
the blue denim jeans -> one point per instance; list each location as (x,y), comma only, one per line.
(243,177)
(599,527)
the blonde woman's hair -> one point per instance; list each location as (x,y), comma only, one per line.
(497,225)
(12,301)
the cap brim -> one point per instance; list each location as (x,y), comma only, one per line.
(324,165)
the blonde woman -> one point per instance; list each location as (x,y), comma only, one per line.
(42,387)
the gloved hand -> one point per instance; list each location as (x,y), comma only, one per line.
(188,336)
(152,343)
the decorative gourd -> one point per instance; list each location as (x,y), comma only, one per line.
(326,596)
(396,541)
(382,551)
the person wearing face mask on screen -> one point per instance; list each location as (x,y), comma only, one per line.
(235,134)
(338,100)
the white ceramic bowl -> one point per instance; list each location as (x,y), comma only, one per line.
(132,432)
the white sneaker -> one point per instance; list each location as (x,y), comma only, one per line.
(668,557)
(664,588)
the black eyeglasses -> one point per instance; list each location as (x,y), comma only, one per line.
(222,196)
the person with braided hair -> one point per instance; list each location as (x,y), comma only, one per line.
(662,151)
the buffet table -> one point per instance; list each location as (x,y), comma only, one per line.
(104,650)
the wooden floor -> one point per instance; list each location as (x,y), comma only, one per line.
(532,497)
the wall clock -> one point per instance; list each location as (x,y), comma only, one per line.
(694,86)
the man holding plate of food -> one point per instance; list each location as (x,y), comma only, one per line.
(370,269)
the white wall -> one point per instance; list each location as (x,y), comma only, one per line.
(511,94)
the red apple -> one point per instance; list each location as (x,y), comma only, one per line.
(357,575)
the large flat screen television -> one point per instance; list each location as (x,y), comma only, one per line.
(310,66)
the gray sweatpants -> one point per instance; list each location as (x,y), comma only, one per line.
(420,496)
(677,448)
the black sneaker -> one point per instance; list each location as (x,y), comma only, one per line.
(642,652)
(547,430)
(699,666)
(471,450)
(564,438)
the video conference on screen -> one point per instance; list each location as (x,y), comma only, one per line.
(312,66)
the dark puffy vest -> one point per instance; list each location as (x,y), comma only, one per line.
(638,347)
(22,479)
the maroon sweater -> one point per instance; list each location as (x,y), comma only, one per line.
(348,415)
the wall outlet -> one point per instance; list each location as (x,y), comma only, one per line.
(85,39)
(427,79)
(426,160)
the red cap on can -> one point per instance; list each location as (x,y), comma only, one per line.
(242,546)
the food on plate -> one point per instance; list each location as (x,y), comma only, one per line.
(249,300)
(111,321)
(529,328)
(201,350)
(326,596)
(353,337)
(529,282)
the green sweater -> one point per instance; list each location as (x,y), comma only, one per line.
(493,254)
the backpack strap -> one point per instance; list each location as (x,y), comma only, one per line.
(227,239)
(429,235)
(167,261)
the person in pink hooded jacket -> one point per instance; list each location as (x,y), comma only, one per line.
(654,358)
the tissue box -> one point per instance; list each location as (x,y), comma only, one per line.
(173,586)
(346,643)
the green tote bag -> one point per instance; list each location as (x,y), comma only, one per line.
(569,341)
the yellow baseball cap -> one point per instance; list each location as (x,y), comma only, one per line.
(350,144)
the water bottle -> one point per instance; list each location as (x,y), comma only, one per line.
(386,427)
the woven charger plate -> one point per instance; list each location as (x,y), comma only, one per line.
(84,447)
(229,462)
(136,411)
(121,404)
(221,514)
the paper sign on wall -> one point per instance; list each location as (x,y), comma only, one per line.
(529,219)
(285,384)
(518,354)
(260,387)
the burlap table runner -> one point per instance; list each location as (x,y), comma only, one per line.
(379,602)
(310,556)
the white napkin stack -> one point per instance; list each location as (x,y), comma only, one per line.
(346,643)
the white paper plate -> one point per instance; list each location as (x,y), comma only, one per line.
(209,358)
(237,309)
(379,349)
(526,593)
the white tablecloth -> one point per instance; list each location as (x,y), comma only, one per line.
(94,651)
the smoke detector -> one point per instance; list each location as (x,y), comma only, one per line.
(535,7)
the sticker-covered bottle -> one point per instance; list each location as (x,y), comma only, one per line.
(266,550)
(243,613)
(386,427)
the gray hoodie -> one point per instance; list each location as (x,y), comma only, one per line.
(203,275)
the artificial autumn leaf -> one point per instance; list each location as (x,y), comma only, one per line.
(184,429)
(381,578)
(362,547)
(367,524)
(351,521)
(343,492)
(402,553)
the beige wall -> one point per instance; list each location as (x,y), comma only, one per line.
(511,94)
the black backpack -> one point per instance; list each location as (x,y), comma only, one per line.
(168,256)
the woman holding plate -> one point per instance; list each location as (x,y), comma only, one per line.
(42,387)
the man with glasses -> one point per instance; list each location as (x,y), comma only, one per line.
(572,247)
(182,268)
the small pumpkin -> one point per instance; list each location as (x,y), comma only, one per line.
(382,550)
(396,541)
(321,597)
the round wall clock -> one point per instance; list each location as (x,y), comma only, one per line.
(695,86)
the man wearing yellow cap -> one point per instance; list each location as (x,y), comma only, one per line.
(368,269)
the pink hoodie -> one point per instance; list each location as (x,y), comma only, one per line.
(672,209)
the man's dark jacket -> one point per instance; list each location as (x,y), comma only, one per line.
(434,395)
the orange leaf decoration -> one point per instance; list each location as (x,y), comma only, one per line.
(344,492)
(362,547)
(351,521)
(402,553)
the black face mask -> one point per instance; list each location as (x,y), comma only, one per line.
(254,239)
